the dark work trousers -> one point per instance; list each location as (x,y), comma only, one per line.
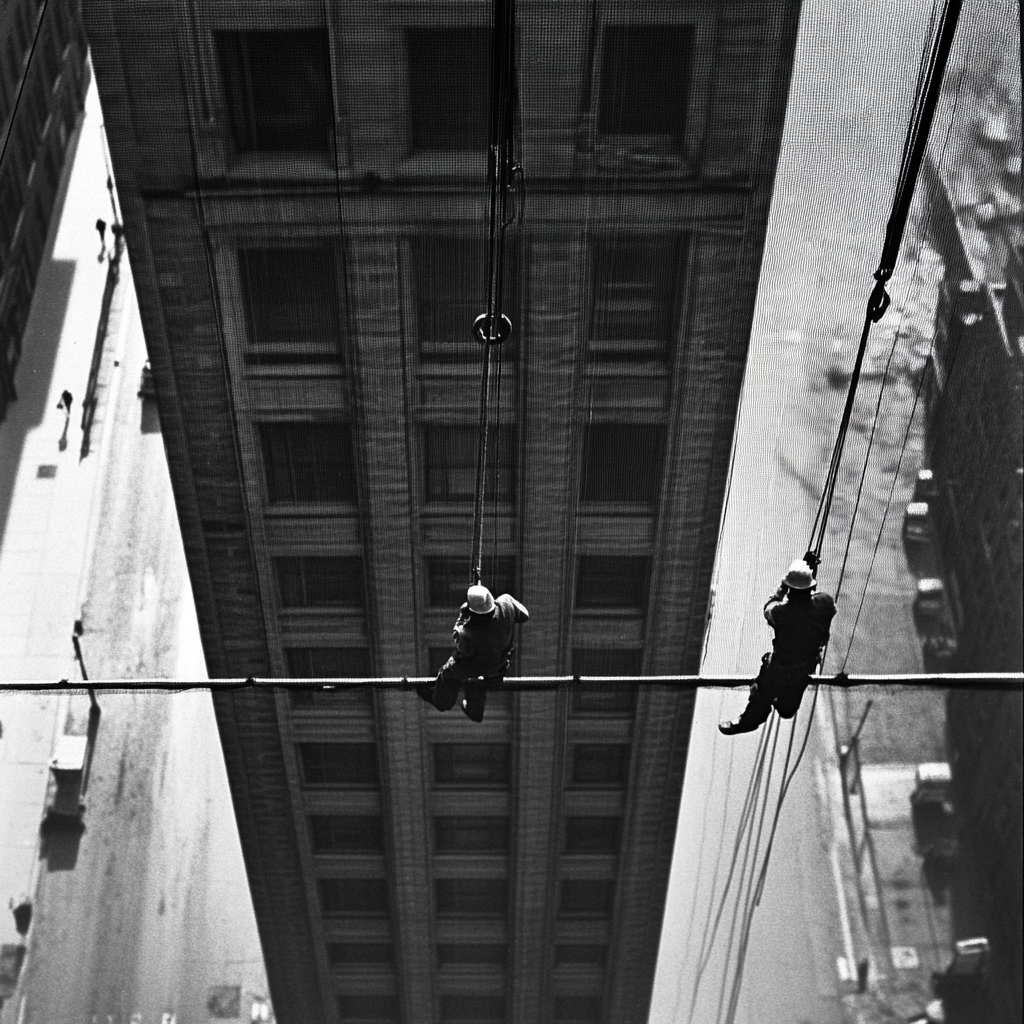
(454,675)
(778,686)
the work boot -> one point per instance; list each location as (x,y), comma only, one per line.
(471,717)
(735,726)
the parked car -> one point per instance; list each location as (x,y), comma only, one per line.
(926,487)
(932,813)
(931,610)
(65,803)
(918,539)
(933,781)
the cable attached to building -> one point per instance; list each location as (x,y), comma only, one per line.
(493,327)
(914,147)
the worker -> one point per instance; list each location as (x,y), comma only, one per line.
(801,619)
(483,636)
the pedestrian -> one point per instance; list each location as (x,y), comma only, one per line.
(802,620)
(66,399)
(483,636)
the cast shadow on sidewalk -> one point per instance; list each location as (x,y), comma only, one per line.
(39,343)
(34,373)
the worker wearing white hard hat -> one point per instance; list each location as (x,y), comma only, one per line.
(802,620)
(484,636)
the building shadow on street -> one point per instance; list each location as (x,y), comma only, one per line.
(34,374)
(39,343)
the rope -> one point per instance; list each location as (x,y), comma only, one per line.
(913,152)
(493,327)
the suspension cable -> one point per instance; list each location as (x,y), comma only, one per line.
(913,153)
(493,327)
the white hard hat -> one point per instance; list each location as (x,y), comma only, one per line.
(480,600)
(799,576)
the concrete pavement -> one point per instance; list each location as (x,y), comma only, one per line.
(45,494)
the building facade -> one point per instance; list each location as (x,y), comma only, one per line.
(974,438)
(44,74)
(302,188)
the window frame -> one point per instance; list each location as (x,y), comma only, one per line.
(236,35)
(303,762)
(307,565)
(265,425)
(674,262)
(482,45)
(322,357)
(508,481)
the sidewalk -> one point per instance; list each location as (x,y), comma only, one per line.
(899,909)
(46,493)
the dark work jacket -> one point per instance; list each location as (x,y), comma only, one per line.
(483,642)
(801,627)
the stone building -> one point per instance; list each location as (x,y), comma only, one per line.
(44,74)
(303,195)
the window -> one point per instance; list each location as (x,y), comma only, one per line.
(612,581)
(586,898)
(50,63)
(278,90)
(329,663)
(338,764)
(11,201)
(472,1008)
(345,833)
(447,579)
(580,954)
(341,954)
(306,462)
(293,305)
(623,462)
(327,581)
(453,954)
(467,764)
(635,284)
(645,80)
(449,87)
(362,1007)
(600,764)
(608,698)
(450,280)
(471,834)
(592,834)
(577,1009)
(474,897)
(363,896)
(451,455)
